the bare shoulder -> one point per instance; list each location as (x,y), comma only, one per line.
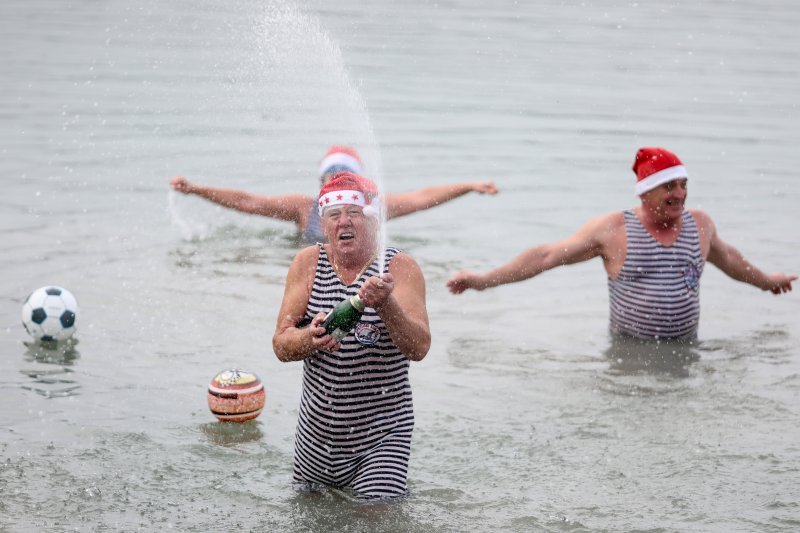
(306,259)
(603,236)
(610,221)
(308,254)
(604,226)
(402,263)
(704,222)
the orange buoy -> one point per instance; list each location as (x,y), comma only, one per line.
(236,395)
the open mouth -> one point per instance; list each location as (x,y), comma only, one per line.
(346,236)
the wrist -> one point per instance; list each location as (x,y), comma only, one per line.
(386,306)
(484,281)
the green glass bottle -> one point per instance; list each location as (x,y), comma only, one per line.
(344,317)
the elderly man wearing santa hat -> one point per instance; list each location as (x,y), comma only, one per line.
(356,414)
(654,255)
(301,209)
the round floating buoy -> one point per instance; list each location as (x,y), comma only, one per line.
(236,395)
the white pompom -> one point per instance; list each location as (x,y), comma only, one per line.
(371,211)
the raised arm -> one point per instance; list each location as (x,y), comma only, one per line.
(290,207)
(399,299)
(401,204)
(591,240)
(732,263)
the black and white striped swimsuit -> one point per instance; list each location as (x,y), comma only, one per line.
(356,413)
(657,293)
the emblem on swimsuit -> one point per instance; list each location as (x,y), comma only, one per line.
(692,276)
(367,334)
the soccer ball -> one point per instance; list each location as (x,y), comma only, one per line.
(50,313)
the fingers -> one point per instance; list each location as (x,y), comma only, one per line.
(385,281)
(179,183)
(487,187)
(464,280)
(377,290)
(782,283)
(329,344)
(381,285)
(316,322)
(456,286)
(781,288)
(321,340)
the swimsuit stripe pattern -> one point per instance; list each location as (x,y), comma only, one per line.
(657,294)
(356,412)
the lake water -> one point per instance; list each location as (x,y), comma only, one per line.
(528,419)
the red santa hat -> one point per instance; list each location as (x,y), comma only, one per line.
(347,188)
(654,167)
(340,159)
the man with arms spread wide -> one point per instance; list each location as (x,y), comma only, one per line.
(302,209)
(654,255)
(356,413)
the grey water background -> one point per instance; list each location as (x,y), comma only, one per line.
(527,418)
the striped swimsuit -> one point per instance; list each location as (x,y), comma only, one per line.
(356,414)
(657,293)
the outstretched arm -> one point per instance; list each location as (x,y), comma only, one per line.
(588,242)
(401,204)
(286,207)
(732,262)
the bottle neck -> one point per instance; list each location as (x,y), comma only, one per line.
(356,302)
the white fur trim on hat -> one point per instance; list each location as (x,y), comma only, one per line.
(659,178)
(340,158)
(341,198)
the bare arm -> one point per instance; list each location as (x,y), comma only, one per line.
(732,262)
(291,343)
(399,299)
(588,242)
(290,207)
(401,204)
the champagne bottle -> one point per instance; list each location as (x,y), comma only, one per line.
(344,317)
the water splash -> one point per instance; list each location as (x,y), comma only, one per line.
(188,229)
(306,71)
(287,71)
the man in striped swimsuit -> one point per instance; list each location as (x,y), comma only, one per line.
(302,209)
(356,413)
(654,255)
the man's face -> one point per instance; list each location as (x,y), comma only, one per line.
(347,227)
(667,200)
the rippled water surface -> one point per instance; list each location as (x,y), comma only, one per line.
(528,416)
